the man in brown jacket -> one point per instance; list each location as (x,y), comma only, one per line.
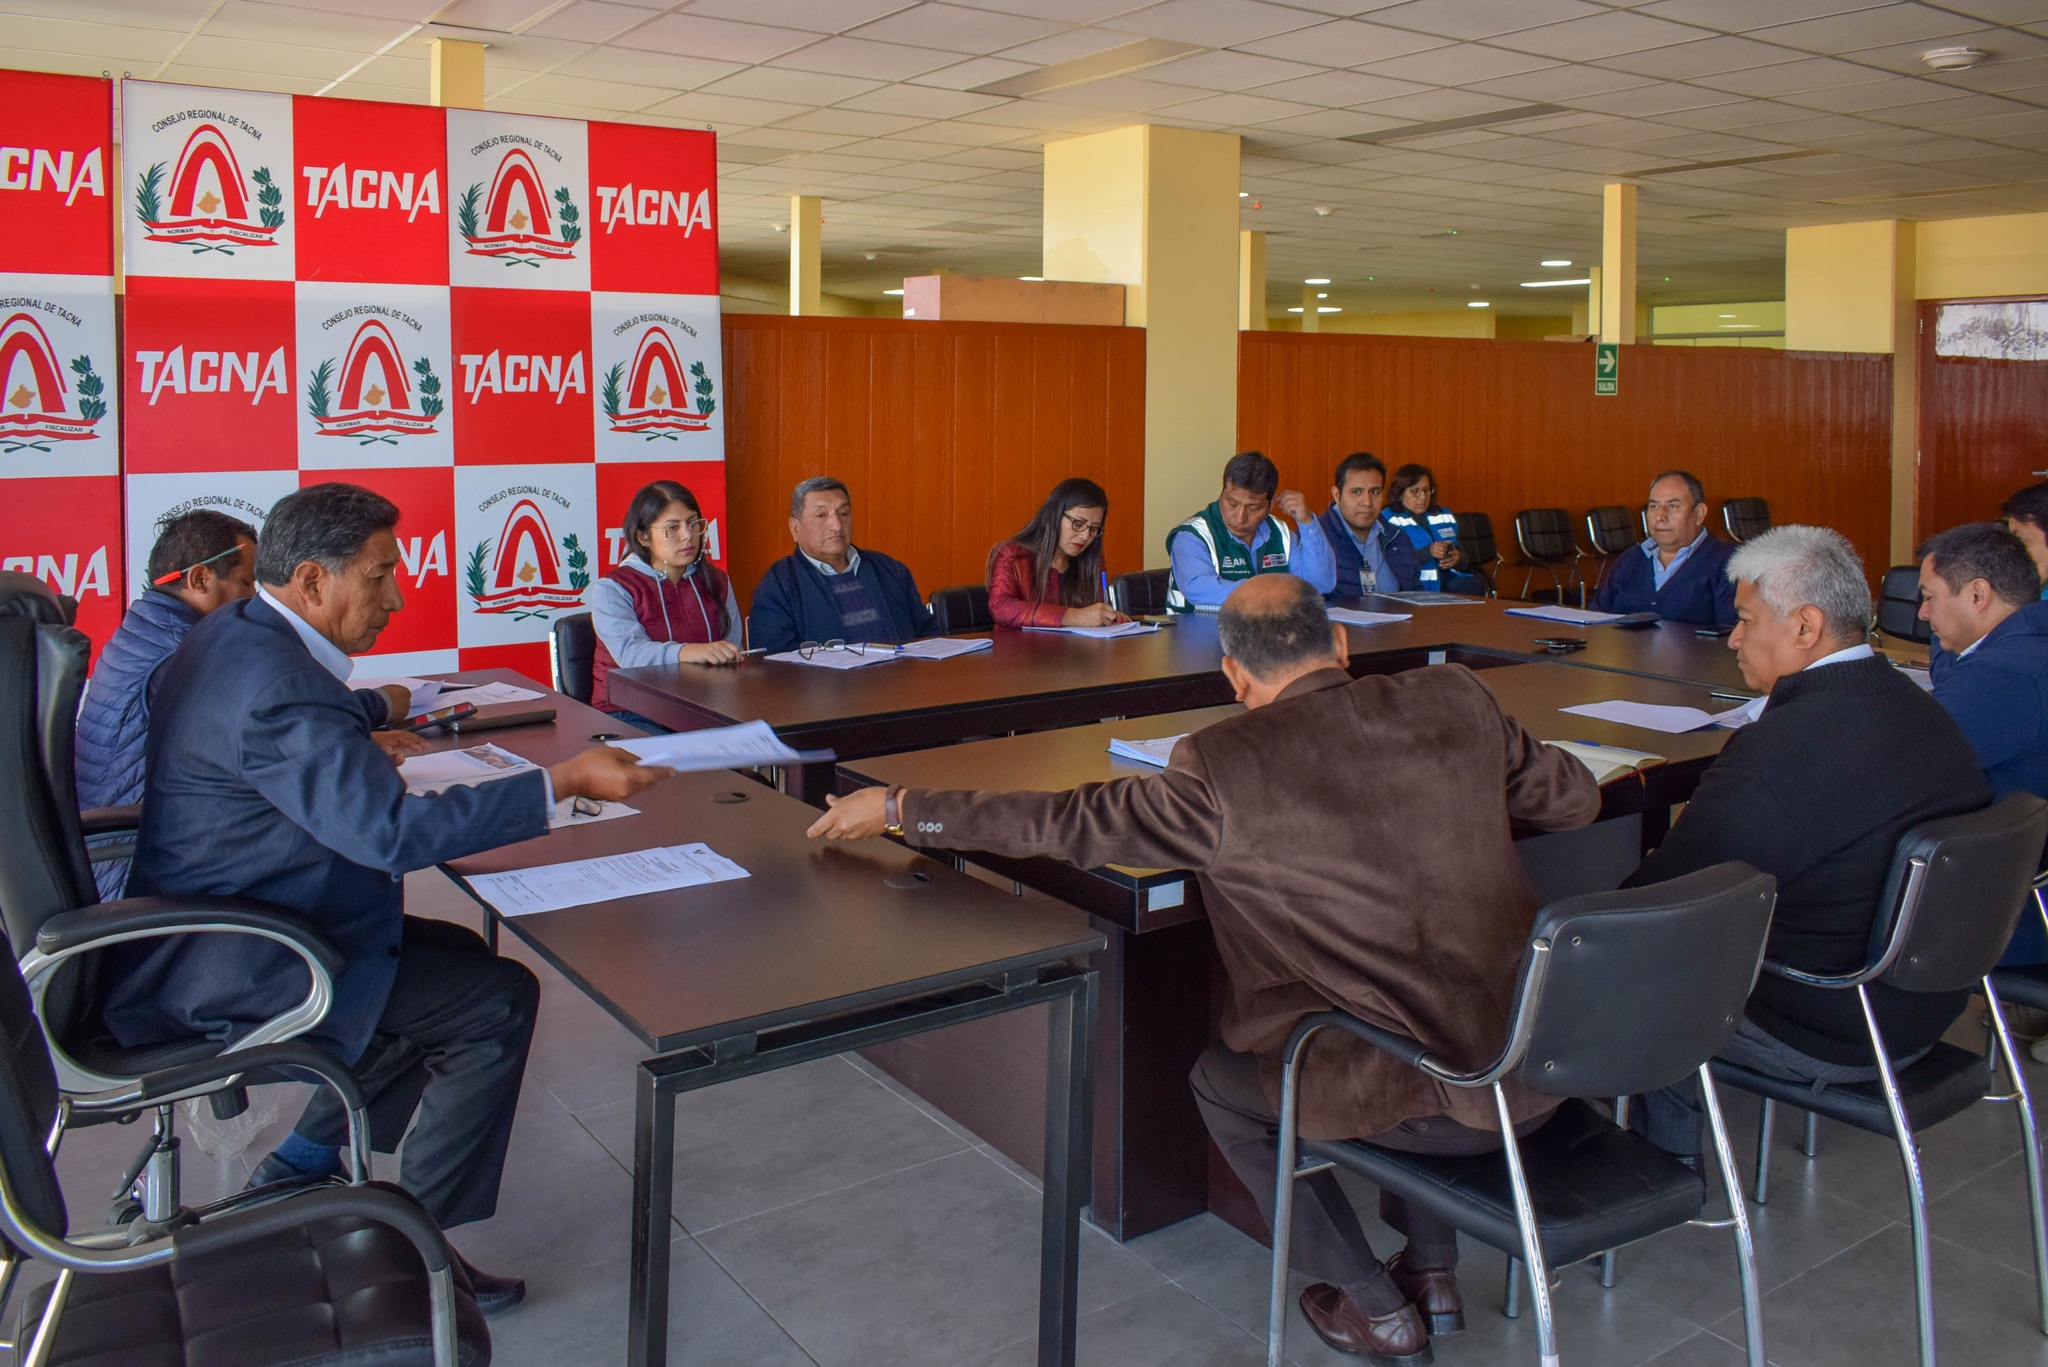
(1412,914)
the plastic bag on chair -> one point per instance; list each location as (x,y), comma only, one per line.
(220,1139)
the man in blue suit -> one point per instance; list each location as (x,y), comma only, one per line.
(1371,556)
(1681,572)
(262,781)
(826,589)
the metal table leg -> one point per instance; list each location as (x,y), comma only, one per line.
(654,1130)
(1068,1133)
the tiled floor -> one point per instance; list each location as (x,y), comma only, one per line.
(823,1216)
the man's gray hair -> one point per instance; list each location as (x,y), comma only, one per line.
(816,484)
(1794,567)
(1694,490)
(1267,641)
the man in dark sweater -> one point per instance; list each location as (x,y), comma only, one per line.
(1847,756)
(1678,573)
(826,590)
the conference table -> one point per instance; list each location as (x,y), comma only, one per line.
(1160,979)
(1032,680)
(820,949)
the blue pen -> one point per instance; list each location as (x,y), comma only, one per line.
(1105,586)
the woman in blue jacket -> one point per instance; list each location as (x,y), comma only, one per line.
(1431,530)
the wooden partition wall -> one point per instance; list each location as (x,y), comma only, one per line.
(1983,430)
(1514,425)
(949,435)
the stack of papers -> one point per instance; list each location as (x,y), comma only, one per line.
(840,658)
(483,695)
(1557,612)
(1153,752)
(1103,633)
(722,747)
(1358,617)
(944,647)
(1607,762)
(1670,720)
(445,769)
(551,887)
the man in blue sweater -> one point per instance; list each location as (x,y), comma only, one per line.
(1371,557)
(202,560)
(1680,572)
(826,590)
(1980,593)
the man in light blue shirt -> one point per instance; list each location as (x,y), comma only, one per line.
(1238,538)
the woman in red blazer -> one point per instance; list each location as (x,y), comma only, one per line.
(1050,574)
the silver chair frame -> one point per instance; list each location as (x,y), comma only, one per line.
(1288,1168)
(1902,1125)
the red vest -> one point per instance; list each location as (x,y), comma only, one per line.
(690,610)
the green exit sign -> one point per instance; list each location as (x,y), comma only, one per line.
(1607,368)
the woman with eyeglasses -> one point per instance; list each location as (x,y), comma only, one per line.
(665,603)
(1431,529)
(1050,574)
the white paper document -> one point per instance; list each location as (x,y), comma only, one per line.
(1918,676)
(723,747)
(1557,612)
(1153,752)
(425,692)
(483,695)
(1103,633)
(1359,617)
(944,647)
(551,887)
(1670,720)
(453,768)
(842,657)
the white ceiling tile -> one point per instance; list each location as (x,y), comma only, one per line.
(2003,44)
(273,23)
(105,41)
(1602,35)
(1482,18)
(689,35)
(1072,11)
(969,74)
(1706,57)
(611,96)
(1231,110)
(594,21)
(1214,23)
(1033,114)
(1785,78)
(1066,45)
(851,121)
(185,74)
(645,68)
(1229,71)
(1560,84)
(1739,16)
(182,15)
(1332,123)
(240,54)
(922,101)
(961,132)
(955,28)
(831,16)
(1134,94)
(1651,100)
(1999,11)
(514,52)
(1344,43)
(57,63)
(1341,89)
(1432,105)
(797,87)
(1898,23)
(858,57)
(1461,64)
(727,109)
(1889,93)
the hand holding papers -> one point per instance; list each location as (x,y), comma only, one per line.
(1153,752)
(724,747)
(1103,633)
(1358,617)
(551,887)
(1670,720)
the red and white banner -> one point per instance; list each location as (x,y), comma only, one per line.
(60,399)
(506,324)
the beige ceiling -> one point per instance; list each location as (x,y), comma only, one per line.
(872,105)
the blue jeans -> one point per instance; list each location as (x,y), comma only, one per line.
(647,724)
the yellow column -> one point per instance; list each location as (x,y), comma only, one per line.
(455,74)
(1851,287)
(1618,263)
(1591,316)
(1251,281)
(1311,321)
(1155,210)
(806,221)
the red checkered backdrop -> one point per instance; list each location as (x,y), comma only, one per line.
(505,324)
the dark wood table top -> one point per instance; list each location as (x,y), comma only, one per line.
(814,931)
(1139,898)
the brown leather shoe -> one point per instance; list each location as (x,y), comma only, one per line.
(1396,1340)
(1435,1293)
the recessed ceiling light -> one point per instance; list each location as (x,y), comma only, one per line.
(1316,280)
(1038,278)
(1553,263)
(1325,210)
(1295,309)
(1327,309)
(1552,284)
(1724,315)
(1477,304)
(892,291)
(1244,194)
(1321,295)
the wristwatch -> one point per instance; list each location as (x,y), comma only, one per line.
(892,812)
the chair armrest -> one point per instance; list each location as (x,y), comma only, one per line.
(142,917)
(99,821)
(1778,968)
(1409,1051)
(304,1057)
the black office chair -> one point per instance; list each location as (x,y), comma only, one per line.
(961,609)
(1544,538)
(1620,993)
(572,654)
(1898,605)
(1955,892)
(1745,518)
(1609,531)
(1477,553)
(48,902)
(1141,593)
(342,1275)
(24,595)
